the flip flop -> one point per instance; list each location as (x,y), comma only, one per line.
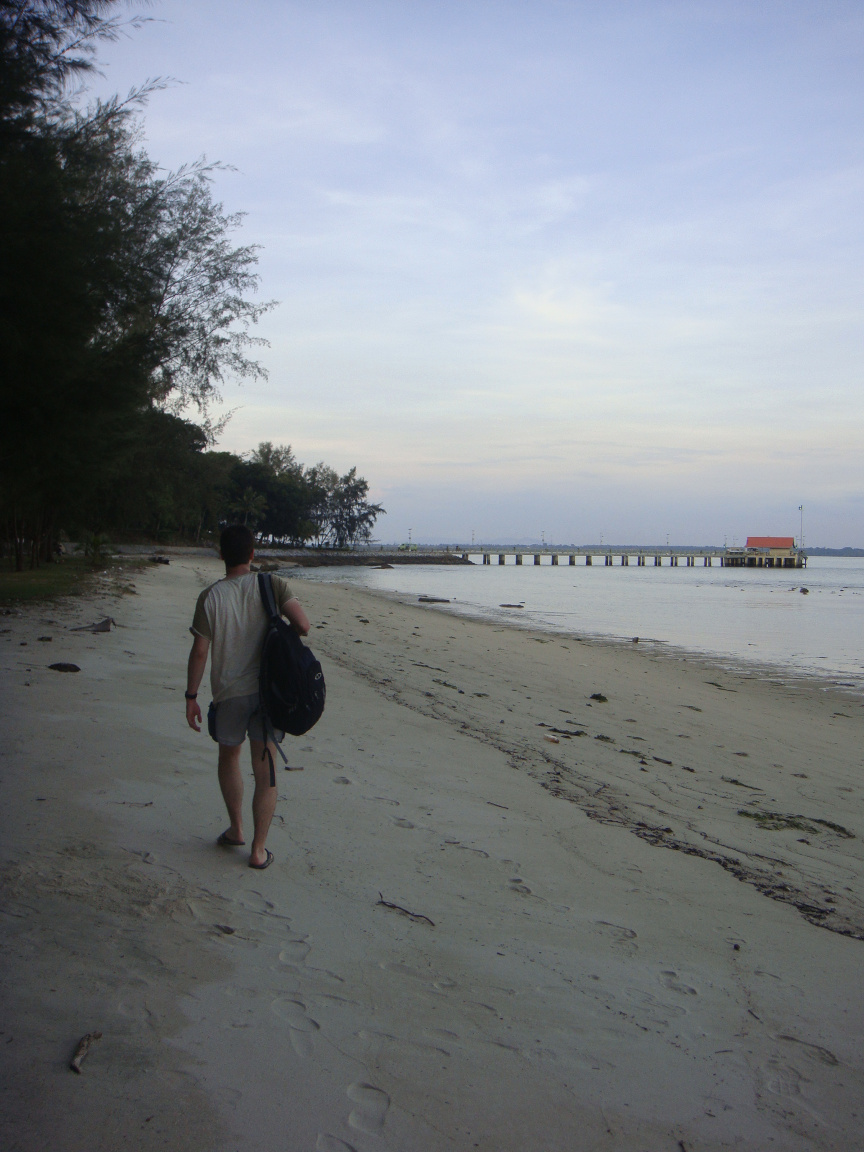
(267,862)
(225,841)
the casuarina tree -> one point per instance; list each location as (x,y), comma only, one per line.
(121,291)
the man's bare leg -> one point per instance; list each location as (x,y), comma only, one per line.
(264,798)
(231,783)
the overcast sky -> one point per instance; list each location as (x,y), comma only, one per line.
(544,265)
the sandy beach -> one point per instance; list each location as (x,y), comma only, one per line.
(503,915)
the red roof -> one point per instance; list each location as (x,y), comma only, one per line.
(770,541)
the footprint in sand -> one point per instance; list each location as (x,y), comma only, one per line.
(651,1009)
(442,1033)
(404,970)
(669,979)
(374,1042)
(784,1079)
(326,1143)
(295,952)
(622,939)
(516,885)
(814,1051)
(401,822)
(301,1026)
(255,902)
(432,979)
(370,1108)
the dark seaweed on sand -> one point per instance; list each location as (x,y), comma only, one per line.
(776,821)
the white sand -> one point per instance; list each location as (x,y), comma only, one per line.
(583,985)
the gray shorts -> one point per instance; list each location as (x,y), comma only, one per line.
(229,721)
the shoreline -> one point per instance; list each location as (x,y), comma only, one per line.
(677,661)
(735,664)
(481,929)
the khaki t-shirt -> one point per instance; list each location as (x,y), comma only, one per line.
(230,614)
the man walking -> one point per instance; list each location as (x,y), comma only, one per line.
(230,624)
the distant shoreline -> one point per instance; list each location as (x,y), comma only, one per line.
(834,551)
(302,557)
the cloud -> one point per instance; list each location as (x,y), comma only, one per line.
(609,249)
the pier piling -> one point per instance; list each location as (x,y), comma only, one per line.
(752,557)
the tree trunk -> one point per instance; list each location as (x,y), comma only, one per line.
(18,542)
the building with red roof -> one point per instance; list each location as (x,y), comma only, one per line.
(771,542)
(766,552)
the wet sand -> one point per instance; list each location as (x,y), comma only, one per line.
(503,915)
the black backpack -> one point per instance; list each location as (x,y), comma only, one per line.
(290,683)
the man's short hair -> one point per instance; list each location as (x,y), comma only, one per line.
(236,545)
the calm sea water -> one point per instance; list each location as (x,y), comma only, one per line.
(758,616)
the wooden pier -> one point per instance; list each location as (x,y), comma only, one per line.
(617,556)
(384,555)
(623,557)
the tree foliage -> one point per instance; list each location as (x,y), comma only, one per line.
(297,505)
(124,303)
(121,294)
(43,45)
(176,488)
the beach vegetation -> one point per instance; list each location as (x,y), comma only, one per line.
(293,505)
(44,583)
(95,546)
(70,576)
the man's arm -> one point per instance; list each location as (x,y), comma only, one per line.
(194,676)
(294,613)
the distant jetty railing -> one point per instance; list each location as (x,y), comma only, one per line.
(621,555)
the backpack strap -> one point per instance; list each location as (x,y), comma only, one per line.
(265,587)
(270,738)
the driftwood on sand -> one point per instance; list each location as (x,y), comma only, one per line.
(83,1048)
(100,626)
(417,917)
